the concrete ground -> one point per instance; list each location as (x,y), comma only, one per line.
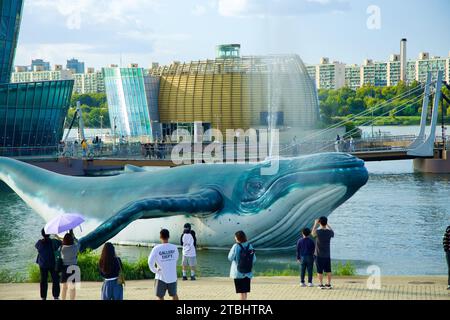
(268,288)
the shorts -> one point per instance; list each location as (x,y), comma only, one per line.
(65,275)
(161,287)
(189,261)
(242,285)
(323,265)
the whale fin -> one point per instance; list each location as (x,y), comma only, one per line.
(204,202)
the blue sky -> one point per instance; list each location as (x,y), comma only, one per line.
(100,32)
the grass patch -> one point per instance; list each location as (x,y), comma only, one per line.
(338,269)
(7,276)
(88,263)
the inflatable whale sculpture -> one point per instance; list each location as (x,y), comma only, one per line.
(217,199)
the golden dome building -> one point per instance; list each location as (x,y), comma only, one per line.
(234,92)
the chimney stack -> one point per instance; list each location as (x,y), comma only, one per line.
(403,60)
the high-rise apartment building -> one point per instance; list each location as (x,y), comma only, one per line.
(374,73)
(29,76)
(75,65)
(426,64)
(330,75)
(90,82)
(353,76)
(39,65)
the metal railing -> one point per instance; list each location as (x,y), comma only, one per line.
(30,152)
(163,151)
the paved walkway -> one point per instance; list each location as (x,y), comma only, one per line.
(276,288)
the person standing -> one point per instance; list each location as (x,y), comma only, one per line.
(84,147)
(242,257)
(189,244)
(111,267)
(69,255)
(337,144)
(305,256)
(162,261)
(446,243)
(352,144)
(46,248)
(323,237)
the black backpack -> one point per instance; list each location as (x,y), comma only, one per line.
(245,262)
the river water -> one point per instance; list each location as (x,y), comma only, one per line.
(395,222)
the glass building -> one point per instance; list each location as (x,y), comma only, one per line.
(31,113)
(132,101)
(10,15)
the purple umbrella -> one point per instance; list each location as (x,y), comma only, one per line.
(63,223)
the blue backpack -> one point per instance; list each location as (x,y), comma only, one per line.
(245,261)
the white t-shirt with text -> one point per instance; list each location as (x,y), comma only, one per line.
(163,262)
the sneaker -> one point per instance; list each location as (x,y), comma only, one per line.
(321,286)
(328,286)
(193,278)
(185,278)
(310,285)
(302,284)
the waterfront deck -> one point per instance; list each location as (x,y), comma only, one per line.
(269,288)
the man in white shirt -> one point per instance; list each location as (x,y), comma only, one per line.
(163,263)
(189,242)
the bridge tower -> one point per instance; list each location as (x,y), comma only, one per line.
(427,158)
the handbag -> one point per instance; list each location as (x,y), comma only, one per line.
(121,278)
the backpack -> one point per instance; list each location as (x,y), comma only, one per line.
(245,261)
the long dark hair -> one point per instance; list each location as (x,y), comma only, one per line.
(108,258)
(68,240)
(241,236)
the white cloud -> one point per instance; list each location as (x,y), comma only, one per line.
(199,10)
(96,11)
(232,8)
(264,8)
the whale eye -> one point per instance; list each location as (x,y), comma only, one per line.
(255,187)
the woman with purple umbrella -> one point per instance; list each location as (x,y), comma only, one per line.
(57,256)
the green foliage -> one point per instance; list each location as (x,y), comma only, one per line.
(339,269)
(388,102)
(347,269)
(7,276)
(34,275)
(88,263)
(94,106)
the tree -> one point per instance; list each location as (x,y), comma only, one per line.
(93,106)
